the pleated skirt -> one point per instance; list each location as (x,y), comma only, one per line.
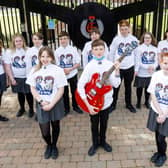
(21,86)
(56,113)
(154,126)
(142,81)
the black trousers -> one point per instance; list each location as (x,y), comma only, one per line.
(139,95)
(45,131)
(73,85)
(21,99)
(99,126)
(161,143)
(127,75)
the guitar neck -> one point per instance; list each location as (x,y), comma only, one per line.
(108,73)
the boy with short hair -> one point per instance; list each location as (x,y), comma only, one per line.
(99,64)
(122,42)
(68,58)
(86,53)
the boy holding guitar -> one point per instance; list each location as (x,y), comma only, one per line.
(98,65)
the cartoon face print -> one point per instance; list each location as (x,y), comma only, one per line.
(0,59)
(164,97)
(152,57)
(120,48)
(144,57)
(134,44)
(18,62)
(121,45)
(23,63)
(166,89)
(128,49)
(69,59)
(148,58)
(164,50)
(62,61)
(158,89)
(34,60)
(39,80)
(48,85)
(90,56)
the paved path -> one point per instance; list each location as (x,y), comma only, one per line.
(21,145)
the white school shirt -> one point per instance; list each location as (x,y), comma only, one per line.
(47,81)
(17,61)
(93,67)
(159,87)
(31,58)
(66,57)
(118,47)
(163,46)
(87,55)
(145,57)
(1,62)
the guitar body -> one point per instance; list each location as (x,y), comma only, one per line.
(94,92)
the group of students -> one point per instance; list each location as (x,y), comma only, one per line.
(33,73)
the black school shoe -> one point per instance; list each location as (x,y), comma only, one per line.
(78,110)
(154,157)
(112,108)
(92,150)
(147,105)
(106,147)
(131,108)
(138,106)
(47,153)
(54,152)
(20,112)
(160,161)
(2,118)
(66,112)
(35,118)
(31,113)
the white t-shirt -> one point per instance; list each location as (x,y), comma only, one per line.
(163,46)
(87,53)
(159,87)
(93,67)
(17,61)
(1,62)
(145,56)
(47,80)
(118,47)
(31,58)
(66,58)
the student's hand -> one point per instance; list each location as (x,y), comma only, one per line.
(161,118)
(92,110)
(67,70)
(47,107)
(135,73)
(13,82)
(151,69)
(44,103)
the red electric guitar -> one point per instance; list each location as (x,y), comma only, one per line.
(96,89)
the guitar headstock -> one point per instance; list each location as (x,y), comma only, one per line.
(128,50)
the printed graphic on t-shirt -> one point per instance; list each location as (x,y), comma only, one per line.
(148,57)
(66,61)
(34,60)
(44,85)
(128,47)
(0,59)
(18,62)
(161,93)
(164,50)
(90,56)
